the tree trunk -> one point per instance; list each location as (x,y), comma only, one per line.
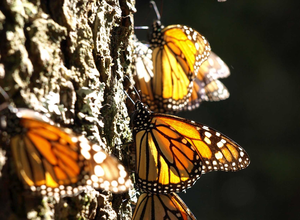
(67,59)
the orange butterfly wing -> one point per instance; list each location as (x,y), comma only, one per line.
(42,158)
(165,160)
(161,206)
(206,86)
(54,161)
(171,152)
(217,151)
(177,52)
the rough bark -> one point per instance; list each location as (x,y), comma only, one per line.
(67,59)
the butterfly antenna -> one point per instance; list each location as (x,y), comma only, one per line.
(135,90)
(141,27)
(4,94)
(137,93)
(6,98)
(153,4)
(128,97)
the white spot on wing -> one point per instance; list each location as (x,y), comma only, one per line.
(219,155)
(99,170)
(220,144)
(99,157)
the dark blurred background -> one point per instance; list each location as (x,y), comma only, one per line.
(260,42)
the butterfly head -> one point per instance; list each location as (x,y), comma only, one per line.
(156,38)
(141,117)
(157,26)
(140,106)
(8,116)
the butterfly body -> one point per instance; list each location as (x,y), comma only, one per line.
(172,152)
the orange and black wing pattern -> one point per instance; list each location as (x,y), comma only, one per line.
(172,152)
(177,53)
(161,206)
(54,161)
(206,86)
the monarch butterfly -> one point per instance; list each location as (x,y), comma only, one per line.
(54,161)
(177,52)
(206,86)
(161,206)
(172,152)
